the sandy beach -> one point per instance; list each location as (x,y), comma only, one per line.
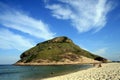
(108,71)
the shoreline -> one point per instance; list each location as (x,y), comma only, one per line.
(54,74)
(108,71)
(50,64)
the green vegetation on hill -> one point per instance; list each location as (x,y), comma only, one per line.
(56,49)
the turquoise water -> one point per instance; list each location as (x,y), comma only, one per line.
(10,72)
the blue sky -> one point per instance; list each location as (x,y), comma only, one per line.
(91,24)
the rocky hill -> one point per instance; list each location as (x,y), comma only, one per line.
(59,50)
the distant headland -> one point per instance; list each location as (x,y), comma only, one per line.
(58,51)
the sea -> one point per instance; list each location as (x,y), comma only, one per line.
(11,72)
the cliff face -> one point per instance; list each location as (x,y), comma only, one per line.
(57,50)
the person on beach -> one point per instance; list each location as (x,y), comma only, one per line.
(97,64)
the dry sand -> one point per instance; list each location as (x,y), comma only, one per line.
(108,71)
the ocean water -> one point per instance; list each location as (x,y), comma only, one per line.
(11,72)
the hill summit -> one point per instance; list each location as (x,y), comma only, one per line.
(59,50)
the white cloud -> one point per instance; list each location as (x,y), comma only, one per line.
(9,40)
(20,21)
(59,11)
(85,15)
